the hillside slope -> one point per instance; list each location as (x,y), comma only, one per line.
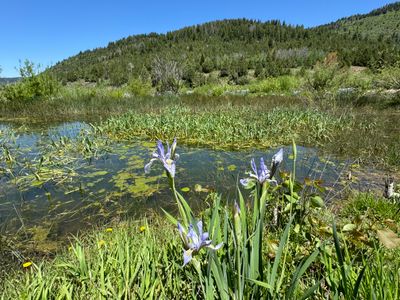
(232,47)
(382,23)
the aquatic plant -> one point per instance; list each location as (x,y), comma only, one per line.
(263,174)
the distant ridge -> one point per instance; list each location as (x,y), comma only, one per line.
(231,47)
(7,80)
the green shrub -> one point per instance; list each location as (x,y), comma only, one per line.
(321,78)
(32,86)
(139,87)
(389,78)
(361,81)
(282,84)
(211,89)
(117,93)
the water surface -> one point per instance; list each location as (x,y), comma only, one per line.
(55,180)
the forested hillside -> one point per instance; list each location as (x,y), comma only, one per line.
(382,24)
(235,47)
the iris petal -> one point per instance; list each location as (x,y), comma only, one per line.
(147,167)
(253,166)
(204,236)
(160,150)
(187,256)
(245,181)
(200,227)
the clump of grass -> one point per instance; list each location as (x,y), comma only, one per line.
(120,262)
(212,89)
(229,126)
(372,207)
(276,85)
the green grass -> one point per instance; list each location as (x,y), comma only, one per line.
(366,134)
(229,126)
(132,264)
(124,263)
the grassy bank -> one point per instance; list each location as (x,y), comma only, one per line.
(42,96)
(310,251)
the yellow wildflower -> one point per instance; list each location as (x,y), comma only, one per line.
(102,243)
(27,264)
(109,229)
(142,228)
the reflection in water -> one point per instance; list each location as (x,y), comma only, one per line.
(45,187)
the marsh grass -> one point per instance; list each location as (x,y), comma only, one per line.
(363,133)
(227,126)
(368,132)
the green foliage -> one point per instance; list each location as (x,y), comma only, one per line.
(212,89)
(207,65)
(321,78)
(138,87)
(369,206)
(228,126)
(233,47)
(32,85)
(121,263)
(389,78)
(281,84)
(360,80)
(381,23)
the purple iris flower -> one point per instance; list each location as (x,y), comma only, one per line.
(168,159)
(262,174)
(194,240)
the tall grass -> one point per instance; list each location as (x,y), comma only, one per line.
(230,126)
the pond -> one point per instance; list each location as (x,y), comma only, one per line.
(56,179)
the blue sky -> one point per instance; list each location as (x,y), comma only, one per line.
(46,32)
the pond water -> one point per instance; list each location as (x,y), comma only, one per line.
(49,187)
